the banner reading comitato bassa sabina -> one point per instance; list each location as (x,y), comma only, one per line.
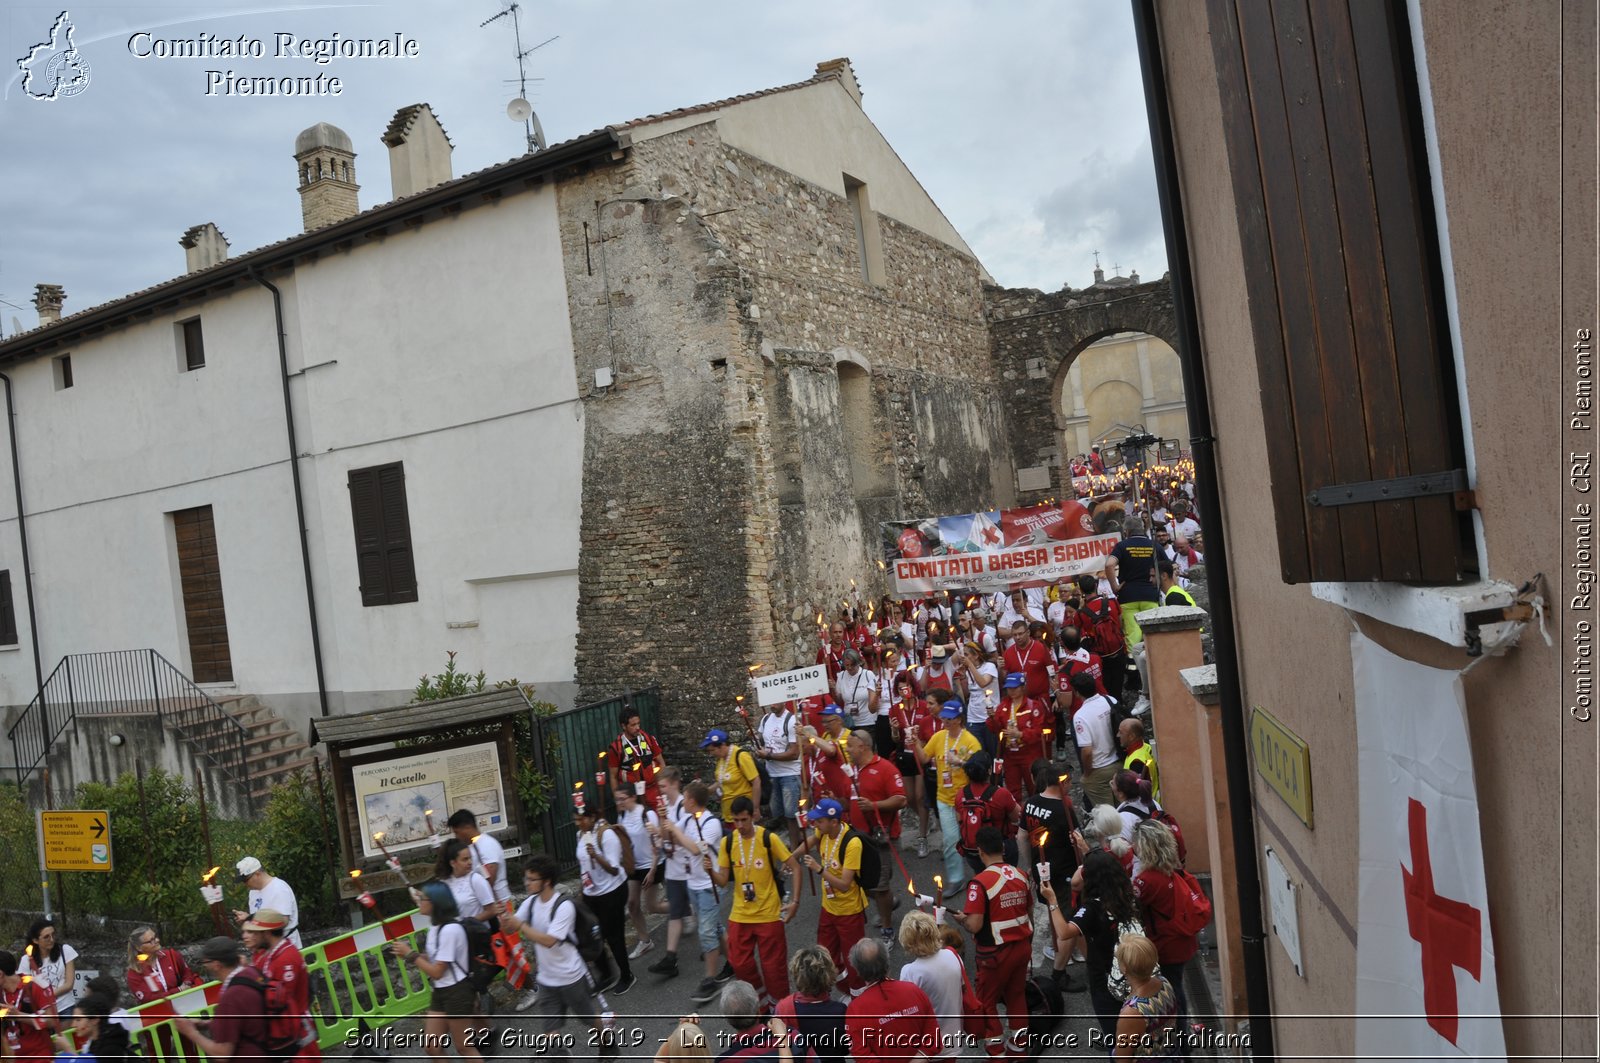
(994,550)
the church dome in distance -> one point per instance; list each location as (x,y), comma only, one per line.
(323,135)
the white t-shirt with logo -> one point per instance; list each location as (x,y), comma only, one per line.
(52,973)
(983,698)
(559,964)
(855,695)
(597,881)
(488,850)
(278,896)
(1091,726)
(706,830)
(778,732)
(448,945)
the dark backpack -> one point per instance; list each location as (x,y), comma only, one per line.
(1105,635)
(871,872)
(972,812)
(766,837)
(586,932)
(1162,816)
(285,1031)
(481,963)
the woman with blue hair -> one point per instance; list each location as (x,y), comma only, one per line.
(445,959)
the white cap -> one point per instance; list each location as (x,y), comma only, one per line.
(247,867)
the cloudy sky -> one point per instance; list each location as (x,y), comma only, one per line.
(1023,119)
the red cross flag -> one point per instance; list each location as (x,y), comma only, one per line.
(1425,979)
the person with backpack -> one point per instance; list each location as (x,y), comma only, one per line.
(998,915)
(749,859)
(1092,730)
(238,1028)
(983,802)
(947,753)
(102,1039)
(1103,634)
(474,896)
(697,834)
(841,854)
(552,922)
(1174,907)
(737,773)
(287,999)
(779,731)
(1132,793)
(605,860)
(815,1019)
(1105,910)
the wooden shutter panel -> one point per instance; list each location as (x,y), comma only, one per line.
(383,535)
(1334,211)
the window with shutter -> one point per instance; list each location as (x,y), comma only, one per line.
(383,535)
(1335,217)
(8,611)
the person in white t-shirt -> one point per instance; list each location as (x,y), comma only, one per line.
(267,891)
(605,886)
(780,748)
(1097,748)
(983,686)
(473,895)
(488,855)
(546,918)
(445,959)
(51,962)
(698,834)
(677,866)
(856,692)
(637,821)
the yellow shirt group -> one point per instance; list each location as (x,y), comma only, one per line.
(735,773)
(749,860)
(854,900)
(945,755)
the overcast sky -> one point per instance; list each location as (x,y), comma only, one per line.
(1024,119)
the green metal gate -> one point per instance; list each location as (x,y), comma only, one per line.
(574,740)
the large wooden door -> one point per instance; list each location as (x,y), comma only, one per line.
(201,580)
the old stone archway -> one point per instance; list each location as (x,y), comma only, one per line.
(1034,337)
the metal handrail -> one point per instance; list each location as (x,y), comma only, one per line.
(138,682)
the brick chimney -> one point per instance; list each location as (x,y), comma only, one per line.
(846,74)
(203,245)
(327,164)
(47,299)
(419,150)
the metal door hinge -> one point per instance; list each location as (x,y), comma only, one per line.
(1423,485)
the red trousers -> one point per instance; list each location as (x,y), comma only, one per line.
(1003,979)
(1019,765)
(745,940)
(838,934)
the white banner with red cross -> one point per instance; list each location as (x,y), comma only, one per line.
(1425,975)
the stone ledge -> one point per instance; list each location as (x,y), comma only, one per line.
(1439,612)
(1171,618)
(1202,683)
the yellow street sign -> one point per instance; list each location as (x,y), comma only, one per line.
(75,841)
(1284,760)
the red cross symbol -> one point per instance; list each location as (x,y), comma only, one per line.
(1450,932)
(990,536)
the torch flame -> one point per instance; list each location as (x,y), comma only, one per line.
(819,616)
(1044,839)
(578,785)
(938,880)
(142,957)
(882,565)
(474,840)
(209,875)
(852,584)
(911,887)
(355,872)
(756,667)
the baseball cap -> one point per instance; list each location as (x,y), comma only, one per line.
(827,808)
(247,867)
(267,919)
(830,709)
(221,949)
(714,738)
(1014,679)
(952,710)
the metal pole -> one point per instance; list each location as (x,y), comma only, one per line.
(44,876)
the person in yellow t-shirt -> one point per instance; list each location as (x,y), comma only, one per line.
(737,775)
(843,921)
(948,751)
(750,855)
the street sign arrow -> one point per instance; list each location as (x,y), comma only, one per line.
(99,828)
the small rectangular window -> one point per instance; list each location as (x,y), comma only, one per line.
(383,535)
(62,364)
(194,346)
(869,242)
(8,612)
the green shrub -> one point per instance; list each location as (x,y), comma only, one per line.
(288,840)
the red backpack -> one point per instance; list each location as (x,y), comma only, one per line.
(1105,636)
(1165,818)
(1191,908)
(973,814)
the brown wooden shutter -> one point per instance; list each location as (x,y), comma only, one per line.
(8,611)
(383,535)
(1342,269)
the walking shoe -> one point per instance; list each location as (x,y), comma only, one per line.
(707,992)
(922,848)
(625,983)
(667,965)
(1142,706)
(1050,954)
(644,946)
(529,999)
(726,974)
(1067,984)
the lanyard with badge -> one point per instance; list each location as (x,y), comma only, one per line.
(947,777)
(637,754)
(747,860)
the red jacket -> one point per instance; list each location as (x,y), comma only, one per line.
(892,1021)
(1032,717)
(167,974)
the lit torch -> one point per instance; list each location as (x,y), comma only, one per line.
(364,898)
(218,920)
(938,898)
(577,796)
(392,860)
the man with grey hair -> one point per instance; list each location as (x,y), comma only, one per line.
(751,1040)
(891,1021)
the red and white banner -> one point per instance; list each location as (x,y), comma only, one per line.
(994,550)
(1425,976)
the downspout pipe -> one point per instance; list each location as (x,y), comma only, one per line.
(1235,741)
(22,534)
(299,495)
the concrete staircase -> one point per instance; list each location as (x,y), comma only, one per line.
(273,751)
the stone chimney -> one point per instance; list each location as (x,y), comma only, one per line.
(47,299)
(203,245)
(327,162)
(846,74)
(419,150)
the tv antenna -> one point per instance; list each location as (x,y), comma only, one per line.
(519,109)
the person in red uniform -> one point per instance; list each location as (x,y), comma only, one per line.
(238,1029)
(875,804)
(634,758)
(858,636)
(1032,658)
(828,757)
(891,1021)
(999,901)
(831,653)
(1019,725)
(29,1008)
(155,973)
(908,717)
(284,970)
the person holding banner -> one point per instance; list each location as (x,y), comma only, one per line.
(948,752)
(635,760)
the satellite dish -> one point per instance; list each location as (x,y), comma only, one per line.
(519,110)
(16,326)
(538,132)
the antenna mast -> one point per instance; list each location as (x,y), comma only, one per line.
(520,109)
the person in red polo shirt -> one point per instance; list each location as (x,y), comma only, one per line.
(284,969)
(1019,725)
(999,903)
(1032,658)
(875,804)
(635,759)
(890,1021)
(831,653)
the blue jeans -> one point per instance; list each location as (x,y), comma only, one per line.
(707,922)
(785,796)
(980,731)
(955,868)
